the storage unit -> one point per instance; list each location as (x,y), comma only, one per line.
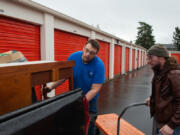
(133,59)
(144,58)
(177,56)
(137,59)
(117,59)
(21,36)
(141,58)
(127,59)
(66,43)
(104,56)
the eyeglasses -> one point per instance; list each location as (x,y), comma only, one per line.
(90,52)
(149,56)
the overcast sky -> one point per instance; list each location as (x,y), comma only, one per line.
(121,17)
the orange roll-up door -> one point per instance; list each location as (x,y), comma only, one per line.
(141,58)
(133,59)
(117,59)
(177,56)
(127,59)
(137,58)
(65,44)
(21,36)
(103,54)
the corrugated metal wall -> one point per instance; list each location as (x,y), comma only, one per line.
(65,44)
(20,36)
(133,58)
(137,58)
(117,59)
(127,60)
(104,56)
(177,56)
(144,58)
(141,58)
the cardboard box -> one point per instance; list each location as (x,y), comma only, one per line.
(10,56)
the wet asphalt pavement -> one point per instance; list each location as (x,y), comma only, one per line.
(134,87)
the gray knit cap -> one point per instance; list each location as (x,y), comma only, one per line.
(158,50)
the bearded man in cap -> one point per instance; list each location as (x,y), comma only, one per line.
(164,101)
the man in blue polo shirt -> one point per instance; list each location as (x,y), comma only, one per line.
(89,75)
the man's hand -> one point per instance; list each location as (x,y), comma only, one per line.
(53,85)
(166,130)
(147,101)
(47,89)
(95,88)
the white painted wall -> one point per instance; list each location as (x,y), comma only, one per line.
(18,11)
(170,53)
(136,66)
(99,36)
(144,57)
(123,59)
(93,35)
(145,62)
(178,52)
(130,59)
(70,27)
(47,38)
(111,60)
(47,42)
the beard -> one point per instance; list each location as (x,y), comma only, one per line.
(87,59)
(157,68)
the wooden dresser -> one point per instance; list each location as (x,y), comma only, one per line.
(17,80)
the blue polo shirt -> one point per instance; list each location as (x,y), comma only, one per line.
(84,75)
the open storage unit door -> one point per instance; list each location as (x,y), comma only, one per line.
(127,59)
(65,44)
(103,54)
(117,59)
(20,36)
